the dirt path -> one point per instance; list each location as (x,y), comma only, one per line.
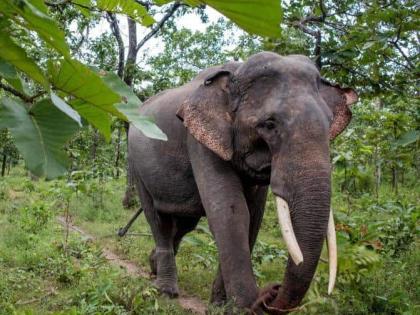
(187,302)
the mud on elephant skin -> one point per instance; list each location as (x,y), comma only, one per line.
(233,131)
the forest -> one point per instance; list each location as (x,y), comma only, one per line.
(73,74)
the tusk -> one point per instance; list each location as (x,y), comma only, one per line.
(332,252)
(287,231)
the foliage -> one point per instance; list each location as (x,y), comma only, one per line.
(217,44)
(75,80)
(38,134)
(378,253)
(371,46)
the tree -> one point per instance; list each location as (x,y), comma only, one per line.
(57,80)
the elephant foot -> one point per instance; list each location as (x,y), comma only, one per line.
(163,261)
(170,290)
(218,295)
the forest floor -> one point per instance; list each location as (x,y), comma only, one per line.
(46,268)
(189,303)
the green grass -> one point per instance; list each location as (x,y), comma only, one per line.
(40,274)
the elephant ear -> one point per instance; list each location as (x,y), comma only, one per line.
(339,101)
(206,114)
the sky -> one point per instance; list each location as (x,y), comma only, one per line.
(154,45)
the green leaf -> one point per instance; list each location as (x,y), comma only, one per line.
(9,73)
(368,44)
(145,124)
(39,134)
(408,138)
(65,108)
(161,2)
(261,17)
(98,118)
(130,8)
(76,79)
(120,87)
(130,105)
(12,53)
(34,16)
(83,7)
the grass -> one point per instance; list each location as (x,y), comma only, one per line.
(41,273)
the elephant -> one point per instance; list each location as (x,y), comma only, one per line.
(234,131)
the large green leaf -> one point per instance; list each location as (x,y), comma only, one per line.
(39,134)
(33,15)
(128,7)
(93,98)
(83,7)
(98,118)
(120,87)
(408,138)
(145,124)
(78,80)
(261,17)
(65,108)
(9,73)
(130,107)
(12,53)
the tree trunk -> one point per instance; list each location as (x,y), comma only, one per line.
(117,158)
(9,165)
(3,165)
(129,199)
(378,174)
(95,144)
(402,177)
(395,180)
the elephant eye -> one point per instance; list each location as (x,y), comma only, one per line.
(268,124)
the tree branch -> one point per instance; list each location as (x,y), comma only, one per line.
(146,4)
(9,89)
(300,25)
(324,13)
(113,23)
(360,74)
(28,99)
(132,52)
(58,4)
(404,55)
(395,44)
(159,25)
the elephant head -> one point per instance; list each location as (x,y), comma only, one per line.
(273,118)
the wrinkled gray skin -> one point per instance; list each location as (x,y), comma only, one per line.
(232,131)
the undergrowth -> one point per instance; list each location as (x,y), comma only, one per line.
(44,271)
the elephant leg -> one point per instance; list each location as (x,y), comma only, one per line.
(183,226)
(162,258)
(256,197)
(223,199)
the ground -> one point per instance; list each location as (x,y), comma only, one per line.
(46,268)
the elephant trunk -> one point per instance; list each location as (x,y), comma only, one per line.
(305,192)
